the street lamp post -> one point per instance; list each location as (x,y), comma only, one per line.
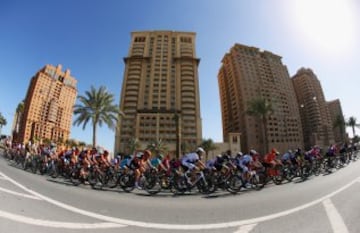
(177,125)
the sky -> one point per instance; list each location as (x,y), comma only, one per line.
(91,38)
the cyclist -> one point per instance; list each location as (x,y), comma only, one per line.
(192,162)
(166,163)
(244,162)
(270,160)
(330,154)
(256,159)
(86,158)
(157,162)
(125,163)
(104,159)
(140,165)
(210,164)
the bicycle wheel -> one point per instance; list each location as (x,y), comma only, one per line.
(127,182)
(179,185)
(152,184)
(234,184)
(112,180)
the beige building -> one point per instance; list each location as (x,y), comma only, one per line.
(48,106)
(248,73)
(336,114)
(232,144)
(315,116)
(160,91)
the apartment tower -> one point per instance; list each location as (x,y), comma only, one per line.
(314,112)
(160,92)
(48,106)
(337,120)
(248,73)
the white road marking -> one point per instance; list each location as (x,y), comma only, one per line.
(245,228)
(19,194)
(179,226)
(336,221)
(2,178)
(55,224)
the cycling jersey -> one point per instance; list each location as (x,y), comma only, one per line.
(117,159)
(134,163)
(287,156)
(331,151)
(155,162)
(269,157)
(189,160)
(68,154)
(210,163)
(244,161)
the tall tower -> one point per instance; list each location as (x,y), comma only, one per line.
(315,116)
(160,91)
(48,106)
(246,74)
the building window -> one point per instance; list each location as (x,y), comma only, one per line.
(139,39)
(235,139)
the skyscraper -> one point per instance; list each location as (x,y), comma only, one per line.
(160,91)
(314,112)
(246,74)
(48,106)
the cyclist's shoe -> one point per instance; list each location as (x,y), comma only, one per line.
(137,186)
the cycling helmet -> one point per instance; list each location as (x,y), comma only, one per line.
(200,149)
(253,152)
(147,153)
(139,155)
(239,154)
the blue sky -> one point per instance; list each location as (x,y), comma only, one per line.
(91,37)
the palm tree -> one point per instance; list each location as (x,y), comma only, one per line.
(18,115)
(97,105)
(82,144)
(46,141)
(339,123)
(184,147)
(157,147)
(2,122)
(207,145)
(133,145)
(352,123)
(261,108)
(71,143)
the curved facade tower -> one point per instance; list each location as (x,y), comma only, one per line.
(248,73)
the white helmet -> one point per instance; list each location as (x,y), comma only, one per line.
(253,152)
(200,149)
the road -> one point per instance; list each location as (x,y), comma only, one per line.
(33,203)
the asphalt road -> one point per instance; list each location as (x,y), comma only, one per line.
(33,203)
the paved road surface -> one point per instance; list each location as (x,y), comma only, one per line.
(33,203)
